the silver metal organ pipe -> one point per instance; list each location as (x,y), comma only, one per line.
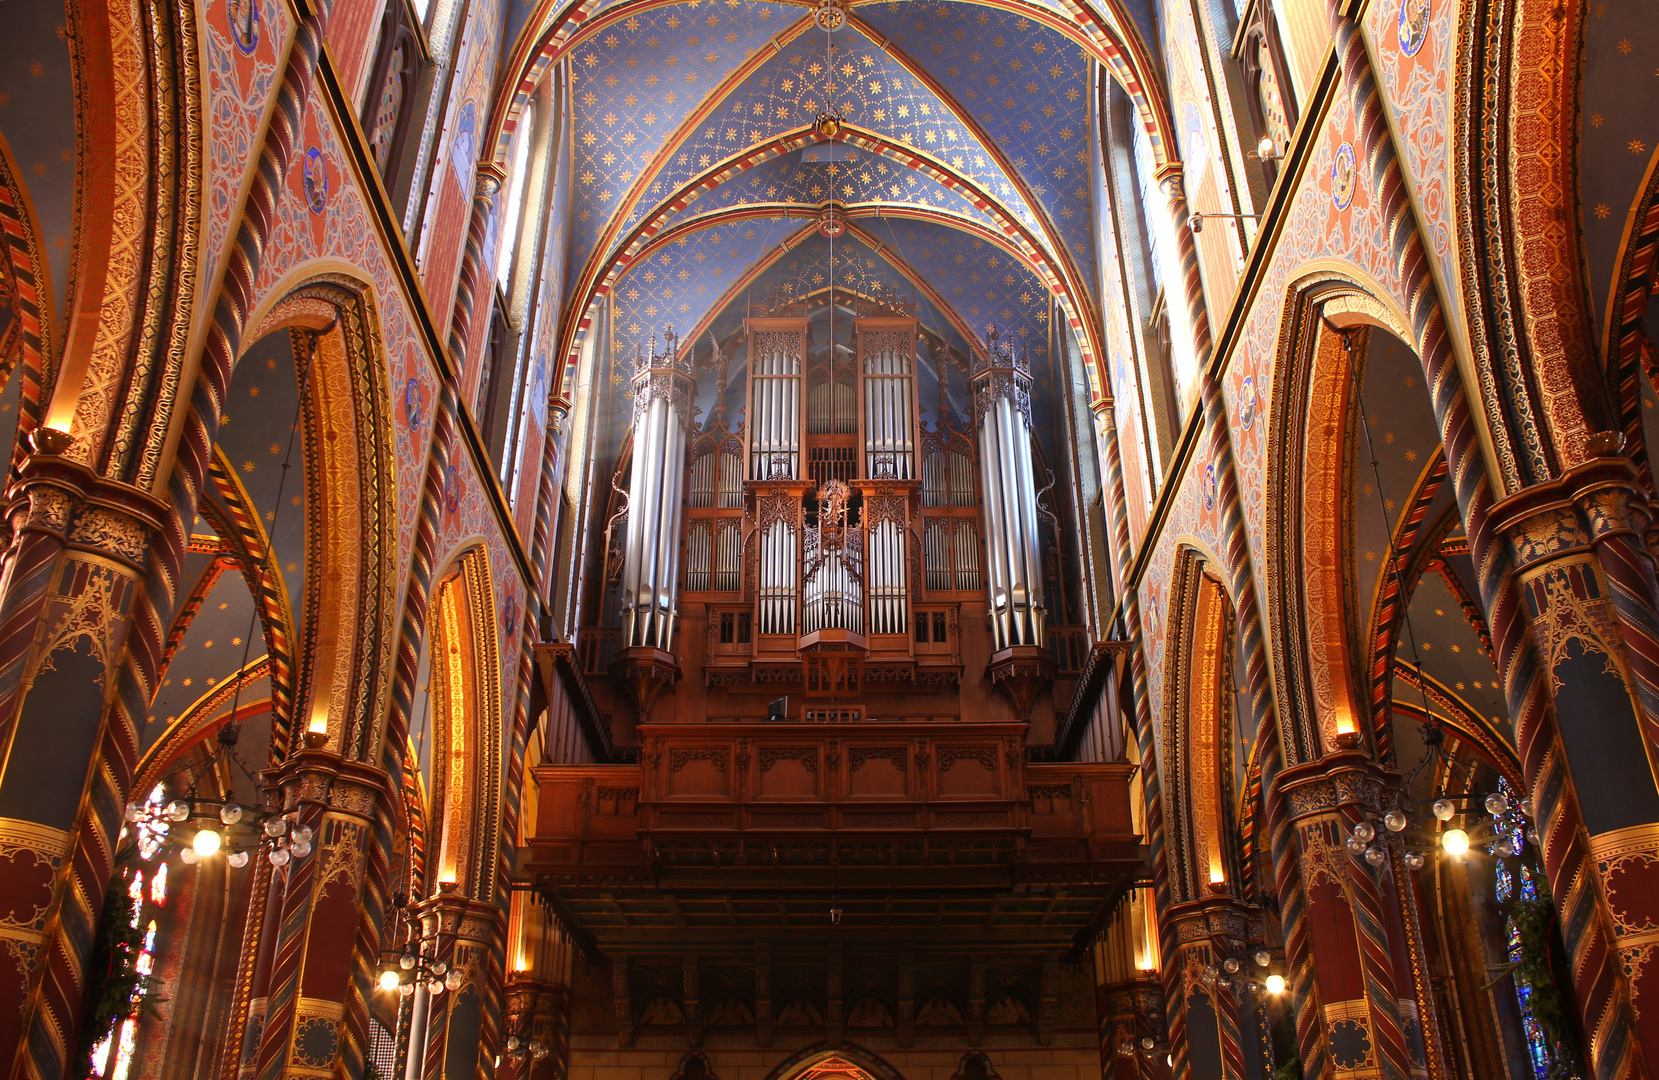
(1014,551)
(656,494)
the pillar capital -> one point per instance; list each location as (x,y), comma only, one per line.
(317,776)
(1594,500)
(61,497)
(1347,779)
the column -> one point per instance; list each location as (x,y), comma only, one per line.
(75,561)
(1220,1013)
(317,974)
(1345,921)
(460,1032)
(1586,582)
(1131,1015)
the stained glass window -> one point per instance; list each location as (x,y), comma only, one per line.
(388,106)
(146,891)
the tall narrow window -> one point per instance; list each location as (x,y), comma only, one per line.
(146,890)
(513,210)
(1164,259)
(391,89)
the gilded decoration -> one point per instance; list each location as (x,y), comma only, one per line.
(1550,532)
(1628,862)
(1568,609)
(93,612)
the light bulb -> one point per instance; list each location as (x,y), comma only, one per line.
(1526,807)
(1496,804)
(302,834)
(435,987)
(300,849)
(406,989)
(1443,809)
(406,961)
(389,979)
(1263,958)
(238,859)
(178,810)
(275,826)
(1414,860)
(1267,149)
(189,857)
(1455,842)
(513,1043)
(1394,821)
(1374,856)
(439,967)
(133,810)
(1147,1043)
(230,813)
(1364,833)
(1275,984)
(454,979)
(279,857)
(1355,844)
(206,842)
(1229,965)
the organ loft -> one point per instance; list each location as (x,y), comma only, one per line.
(826,649)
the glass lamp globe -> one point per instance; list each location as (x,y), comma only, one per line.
(1455,842)
(453,980)
(1363,832)
(1394,821)
(279,857)
(189,857)
(1275,984)
(300,849)
(389,979)
(439,967)
(275,826)
(435,987)
(238,859)
(230,813)
(1414,860)
(406,961)
(302,834)
(513,1043)
(1263,958)
(1374,856)
(206,843)
(406,989)
(133,810)
(178,810)
(1229,965)
(1443,809)
(1355,844)
(1496,804)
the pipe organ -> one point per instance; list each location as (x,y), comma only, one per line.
(651,555)
(1002,415)
(828,536)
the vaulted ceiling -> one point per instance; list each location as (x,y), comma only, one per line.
(963,160)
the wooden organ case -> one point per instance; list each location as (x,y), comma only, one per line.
(835,558)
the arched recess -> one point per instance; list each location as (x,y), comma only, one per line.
(848,1060)
(603,272)
(1308,515)
(346,632)
(465,743)
(1200,742)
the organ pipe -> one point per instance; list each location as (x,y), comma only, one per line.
(651,568)
(1013,557)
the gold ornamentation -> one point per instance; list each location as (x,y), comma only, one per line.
(111,532)
(1565,617)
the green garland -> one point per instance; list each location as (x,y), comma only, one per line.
(1535,969)
(119,990)
(1290,1070)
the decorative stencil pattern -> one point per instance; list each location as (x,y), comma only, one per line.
(1025,85)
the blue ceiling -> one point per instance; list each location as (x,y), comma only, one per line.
(667,95)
